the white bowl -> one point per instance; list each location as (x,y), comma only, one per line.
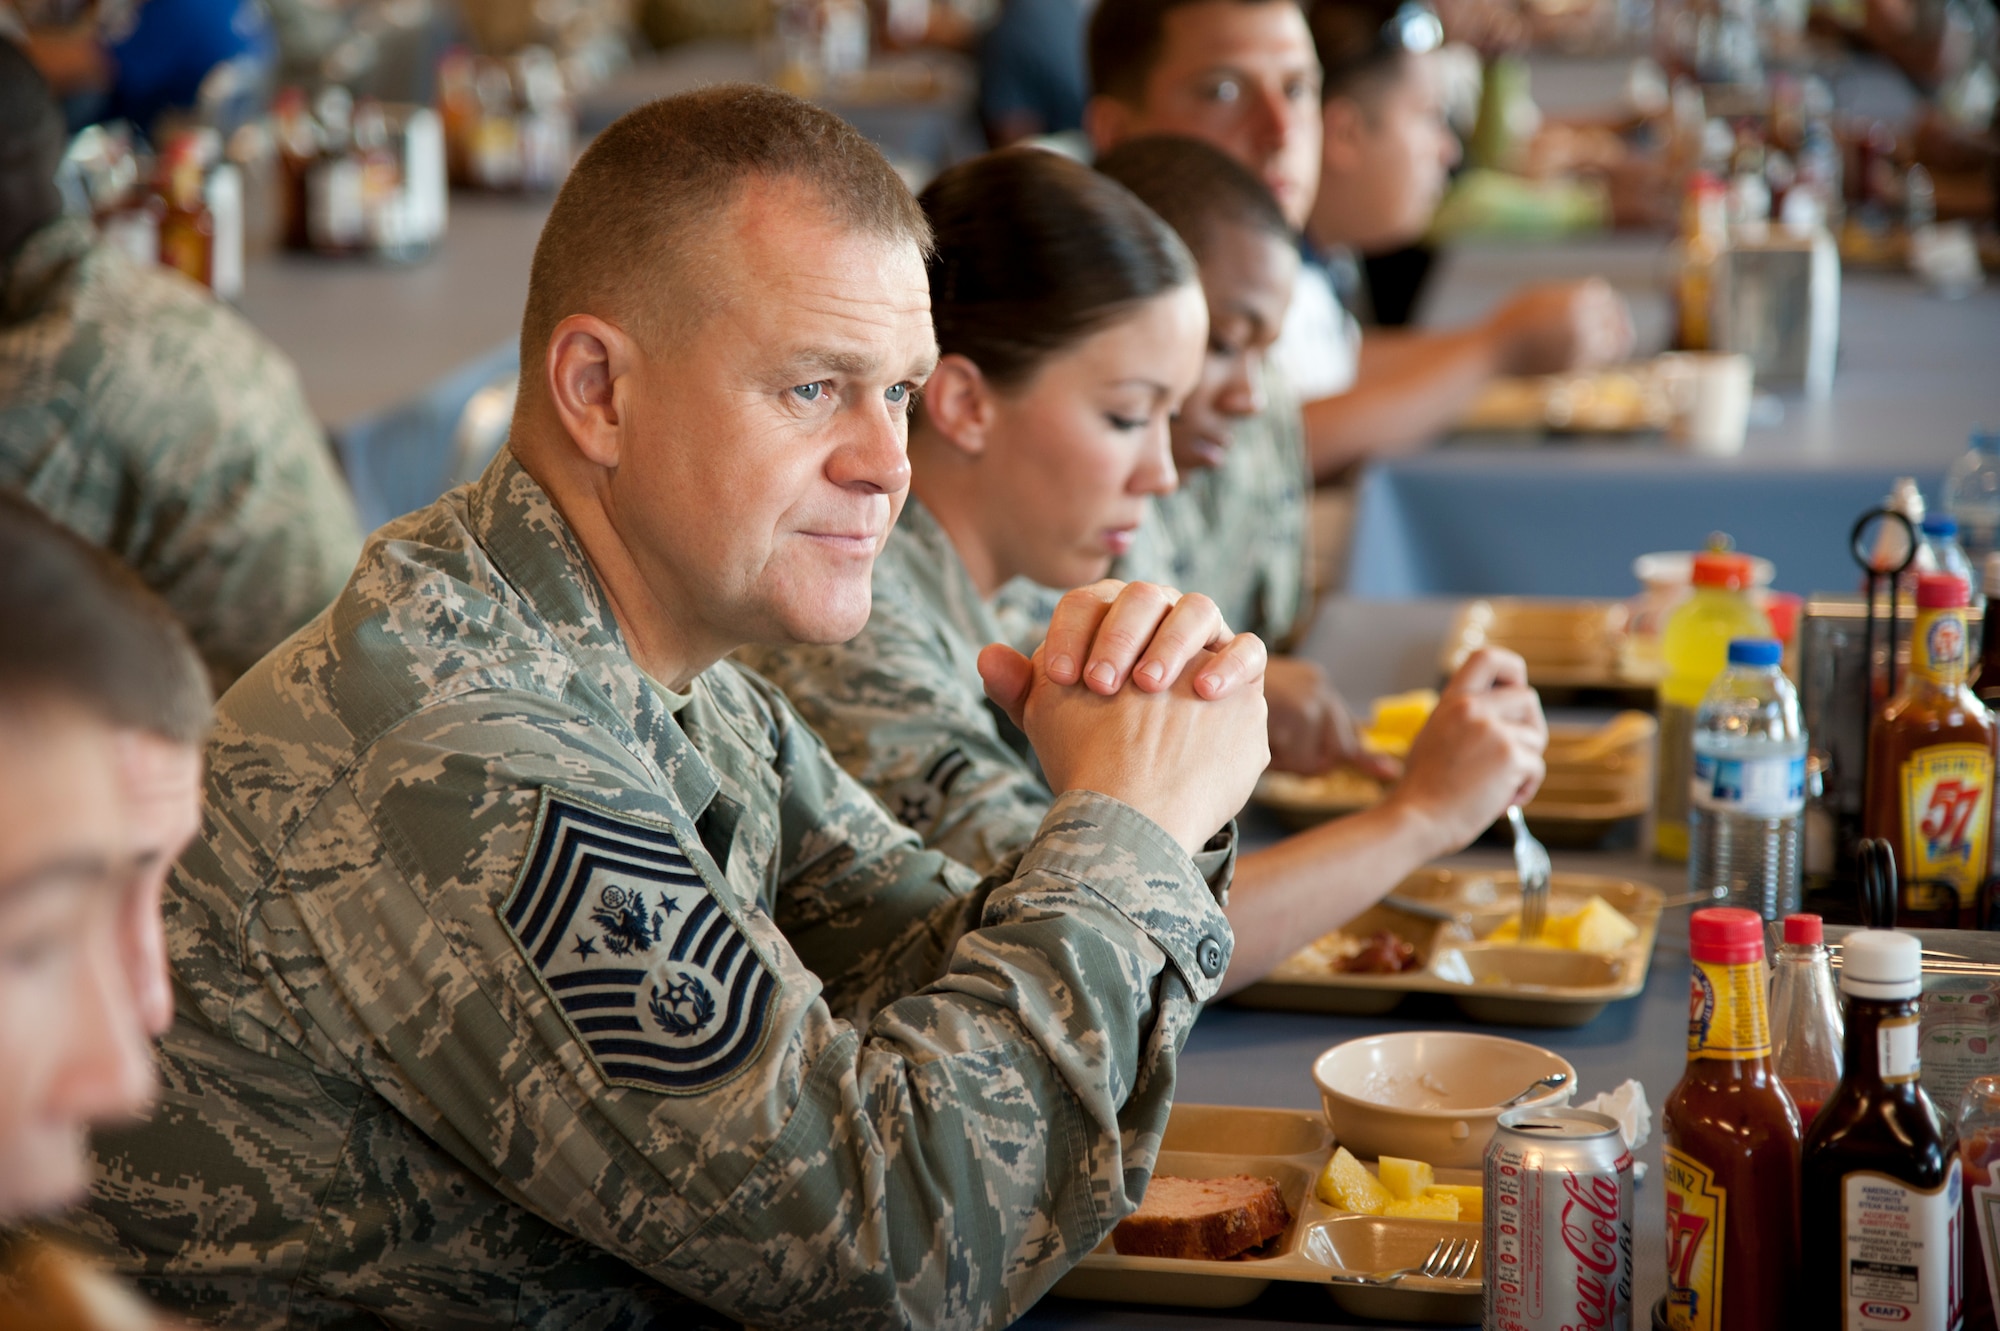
(1429,1095)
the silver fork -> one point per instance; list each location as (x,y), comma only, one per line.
(1451,1259)
(1531,865)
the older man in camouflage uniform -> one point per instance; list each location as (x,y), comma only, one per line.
(539,970)
(149,419)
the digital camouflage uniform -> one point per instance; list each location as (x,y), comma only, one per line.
(1240,534)
(518,991)
(146,417)
(902,708)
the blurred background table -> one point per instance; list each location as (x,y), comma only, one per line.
(1534,515)
(1243,1056)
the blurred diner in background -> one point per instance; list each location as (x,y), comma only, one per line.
(1063,663)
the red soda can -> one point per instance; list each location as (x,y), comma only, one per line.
(1558,1252)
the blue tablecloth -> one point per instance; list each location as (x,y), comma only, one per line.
(1568,522)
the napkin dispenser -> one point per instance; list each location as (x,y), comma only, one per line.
(1777,299)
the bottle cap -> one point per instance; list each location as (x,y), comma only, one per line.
(1985,440)
(1937,524)
(1802,930)
(1726,935)
(1755,651)
(1941,591)
(1721,568)
(1881,963)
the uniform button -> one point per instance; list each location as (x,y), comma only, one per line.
(1209,953)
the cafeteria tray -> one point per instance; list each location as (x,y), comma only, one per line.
(1598,776)
(1291,1146)
(1503,983)
(1567,643)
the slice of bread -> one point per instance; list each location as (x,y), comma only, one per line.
(1203,1218)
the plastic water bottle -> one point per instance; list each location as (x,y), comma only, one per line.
(1747,798)
(1972,496)
(1941,551)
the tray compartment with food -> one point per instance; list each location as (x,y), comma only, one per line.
(1320,1239)
(1620,399)
(1598,944)
(1598,777)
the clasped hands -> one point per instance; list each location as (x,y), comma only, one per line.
(1142,694)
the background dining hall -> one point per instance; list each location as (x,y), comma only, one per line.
(976,663)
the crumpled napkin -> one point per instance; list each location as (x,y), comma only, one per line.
(1628,1105)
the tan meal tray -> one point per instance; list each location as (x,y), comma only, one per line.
(1503,983)
(1566,643)
(1291,1146)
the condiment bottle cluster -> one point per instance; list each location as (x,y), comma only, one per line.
(1812,1183)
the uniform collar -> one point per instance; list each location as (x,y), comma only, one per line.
(517,524)
(44,257)
(928,559)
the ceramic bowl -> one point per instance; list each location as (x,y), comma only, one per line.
(1429,1095)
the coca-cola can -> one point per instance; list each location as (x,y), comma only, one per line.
(1558,1223)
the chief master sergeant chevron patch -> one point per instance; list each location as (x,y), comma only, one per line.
(630,942)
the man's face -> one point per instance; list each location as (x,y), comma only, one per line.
(1388,157)
(765,449)
(90,821)
(1244,78)
(1247,276)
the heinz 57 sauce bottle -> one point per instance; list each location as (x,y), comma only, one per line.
(1882,1177)
(1732,1148)
(1930,768)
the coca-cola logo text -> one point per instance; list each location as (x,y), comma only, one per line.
(1590,1232)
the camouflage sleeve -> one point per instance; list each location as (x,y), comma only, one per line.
(247,530)
(907,722)
(941,1165)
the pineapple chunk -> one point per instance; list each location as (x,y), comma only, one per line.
(1430,1206)
(1396,720)
(1346,1184)
(1406,1179)
(1471,1198)
(1598,927)
(1601,928)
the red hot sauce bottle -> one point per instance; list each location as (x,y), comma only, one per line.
(1732,1145)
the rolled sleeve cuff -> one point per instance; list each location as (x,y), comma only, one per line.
(1129,860)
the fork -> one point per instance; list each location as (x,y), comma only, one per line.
(1531,865)
(1451,1259)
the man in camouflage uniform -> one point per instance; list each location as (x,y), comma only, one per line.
(151,420)
(539,969)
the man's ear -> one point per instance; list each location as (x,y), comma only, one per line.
(589,366)
(959,403)
(1108,122)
